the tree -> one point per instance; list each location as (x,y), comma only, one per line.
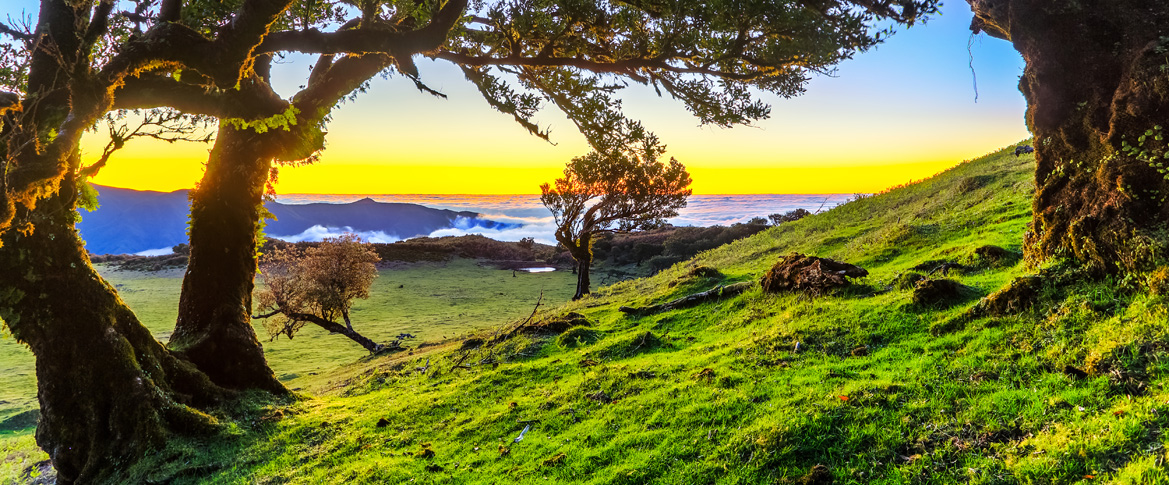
(619,191)
(1098,104)
(108,390)
(317,287)
(789,216)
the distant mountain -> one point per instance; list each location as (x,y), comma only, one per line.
(132,221)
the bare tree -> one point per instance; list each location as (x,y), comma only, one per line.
(623,190)
(317,287)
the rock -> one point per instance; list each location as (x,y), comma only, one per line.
(995,255)
(939,292)
(860,351)
(809,274)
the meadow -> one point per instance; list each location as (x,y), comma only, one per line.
(860,385)
(432,301)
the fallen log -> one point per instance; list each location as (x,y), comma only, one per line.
(717,293)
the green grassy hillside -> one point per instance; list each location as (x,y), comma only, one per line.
(858,386)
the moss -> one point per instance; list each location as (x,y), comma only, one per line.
(577,336)
(940,292)
(907,281)
(1158,281)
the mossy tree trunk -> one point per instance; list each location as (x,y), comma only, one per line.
(108,390)
(214,328)
(1097,90)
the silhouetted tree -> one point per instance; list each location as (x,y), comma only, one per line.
(621,190)
(1098,105)
(317,287)
(108,390)
(789,216)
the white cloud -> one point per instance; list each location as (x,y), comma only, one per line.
(539,228)
(155,252)
(318,233)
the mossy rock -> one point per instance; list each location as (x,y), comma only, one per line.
(809,274)
(907,281)
(940,292)
(996,256)
(578,336)
(1016,297)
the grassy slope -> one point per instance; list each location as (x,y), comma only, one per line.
(435,301)
(718,393)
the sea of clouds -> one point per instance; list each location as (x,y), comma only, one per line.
(524,216)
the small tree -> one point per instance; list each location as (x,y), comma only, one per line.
(623,190)
(789,216)
(317,287)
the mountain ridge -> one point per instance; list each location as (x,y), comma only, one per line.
(133,221)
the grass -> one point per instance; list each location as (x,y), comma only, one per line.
(433,301)
(759,388)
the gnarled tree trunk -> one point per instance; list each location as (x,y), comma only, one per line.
(108,390)
(1097,89)
(582,252)
(214,329)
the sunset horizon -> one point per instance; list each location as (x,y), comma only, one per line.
(903,111)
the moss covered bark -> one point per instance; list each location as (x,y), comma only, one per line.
(108,390)
(214,328)
(1097,89)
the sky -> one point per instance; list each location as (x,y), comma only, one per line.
(900,112)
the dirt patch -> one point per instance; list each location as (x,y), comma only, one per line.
(809,274)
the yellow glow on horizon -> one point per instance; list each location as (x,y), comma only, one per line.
(747,161)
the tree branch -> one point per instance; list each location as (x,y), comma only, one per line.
(379,39)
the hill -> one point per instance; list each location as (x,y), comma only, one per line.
(132,221)
(865,384)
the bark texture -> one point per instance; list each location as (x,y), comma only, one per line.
(214,329)
(1097,89)
(108,390)
(582,251)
